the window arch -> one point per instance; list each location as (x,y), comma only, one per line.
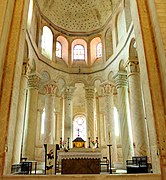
(99,50)
(47,42)
(79,126)
(64,48)
(78,52)
(58,49)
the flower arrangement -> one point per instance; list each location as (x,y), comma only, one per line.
(93,143)
(62,143)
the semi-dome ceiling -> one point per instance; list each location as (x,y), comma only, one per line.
(78,15)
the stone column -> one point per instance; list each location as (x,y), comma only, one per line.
(31,117)
(49,128)
(68,114)
(109,113)
(58,109)
(20,116)
(98,119)
(102,126)
(102,131)
(136,107)
(39,141)
(125,125)
(89,95)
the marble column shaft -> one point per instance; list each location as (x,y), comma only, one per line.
(58,112)
(98,134)
(49,128)
(137,112)
(102,131)
(39,141)
(126,136)
(20,120)
(68,114)
(109,113)
(31,117)
(89,94)
(102,122)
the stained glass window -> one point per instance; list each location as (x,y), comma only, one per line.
(99,50)
(47,41)
(79,52)
(58,49)
(79,127)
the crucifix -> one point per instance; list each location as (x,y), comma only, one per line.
(78,132)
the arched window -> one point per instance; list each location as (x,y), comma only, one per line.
(79,127)
(30,12)
(58,49)
(79,52)
(42,121)
(47,41)
(99,50)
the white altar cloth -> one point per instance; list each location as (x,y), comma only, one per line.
(80,154)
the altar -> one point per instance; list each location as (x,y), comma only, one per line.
(80,161)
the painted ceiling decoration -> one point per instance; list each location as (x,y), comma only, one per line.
(78,15)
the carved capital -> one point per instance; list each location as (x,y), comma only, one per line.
(33,80)
(50,88)
(120,79)
(89,92)
(25,69)
(108,88)
(132,66)
(68,92)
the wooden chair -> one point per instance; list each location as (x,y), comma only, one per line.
(104,162)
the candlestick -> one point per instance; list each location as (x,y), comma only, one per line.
(68,143)
(61,142)
(89,142)
(97,143)
(109,145)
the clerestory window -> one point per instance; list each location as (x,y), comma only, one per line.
(79,52)
(47,41)
(58,49)
(99,50)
